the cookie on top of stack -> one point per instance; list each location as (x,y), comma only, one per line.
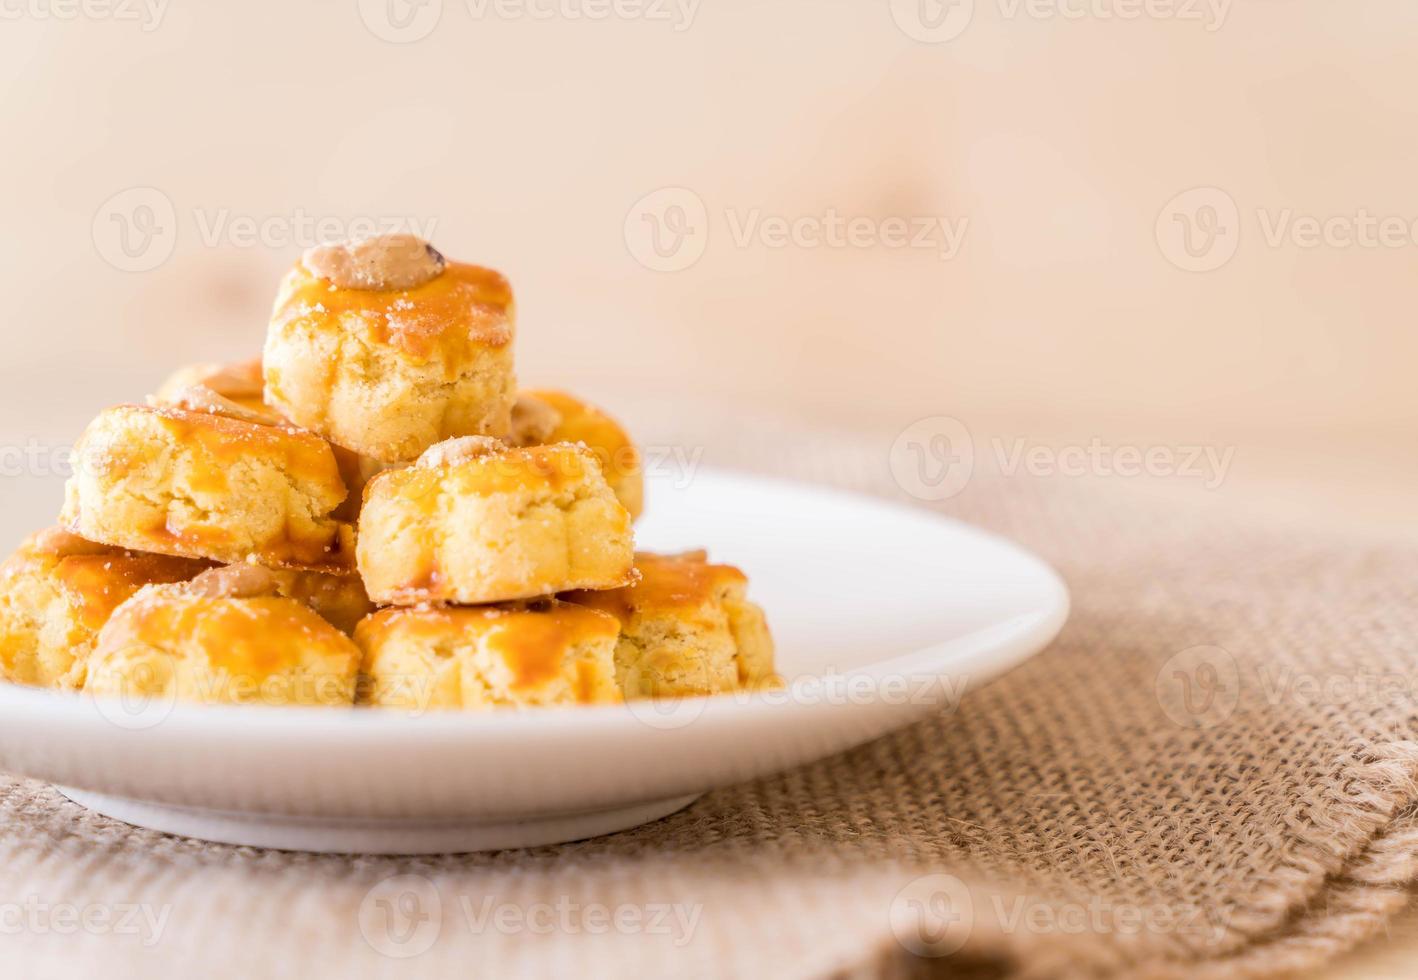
(370,513)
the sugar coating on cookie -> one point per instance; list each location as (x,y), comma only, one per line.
(167,642)
(470,524)
(202,485)
(687,628)
(545,416)
(57,591)
(431,658)
(387,363)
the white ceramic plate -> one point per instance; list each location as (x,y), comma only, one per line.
(882,614)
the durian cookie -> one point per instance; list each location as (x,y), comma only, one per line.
(234,645)
(543,416)
(385,348)
(475,521)
(538,654)
(687,628)
(204,485)
(57,591)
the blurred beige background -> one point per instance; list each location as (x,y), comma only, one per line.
(1051,137)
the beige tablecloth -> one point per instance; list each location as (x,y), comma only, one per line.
(1210,773)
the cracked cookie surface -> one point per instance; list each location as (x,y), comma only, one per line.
(200,485)
(493,527)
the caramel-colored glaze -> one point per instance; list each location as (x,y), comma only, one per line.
(532,642)
(443,319)
(252,639)
(539,468)
(220,442)
(419,489)
(96,578)
(666,582)
(97,586)
(534,645)
(603,435)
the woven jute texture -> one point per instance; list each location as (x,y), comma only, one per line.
(1211,773)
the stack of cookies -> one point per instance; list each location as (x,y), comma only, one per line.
(372,513)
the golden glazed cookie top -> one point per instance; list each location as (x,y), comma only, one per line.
(445,319)
(474,466)
(544,416)
(96,578)
(533,640)
(220,439)
(255,638)
(667,583)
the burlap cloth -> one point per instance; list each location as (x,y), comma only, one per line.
(1125,804)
